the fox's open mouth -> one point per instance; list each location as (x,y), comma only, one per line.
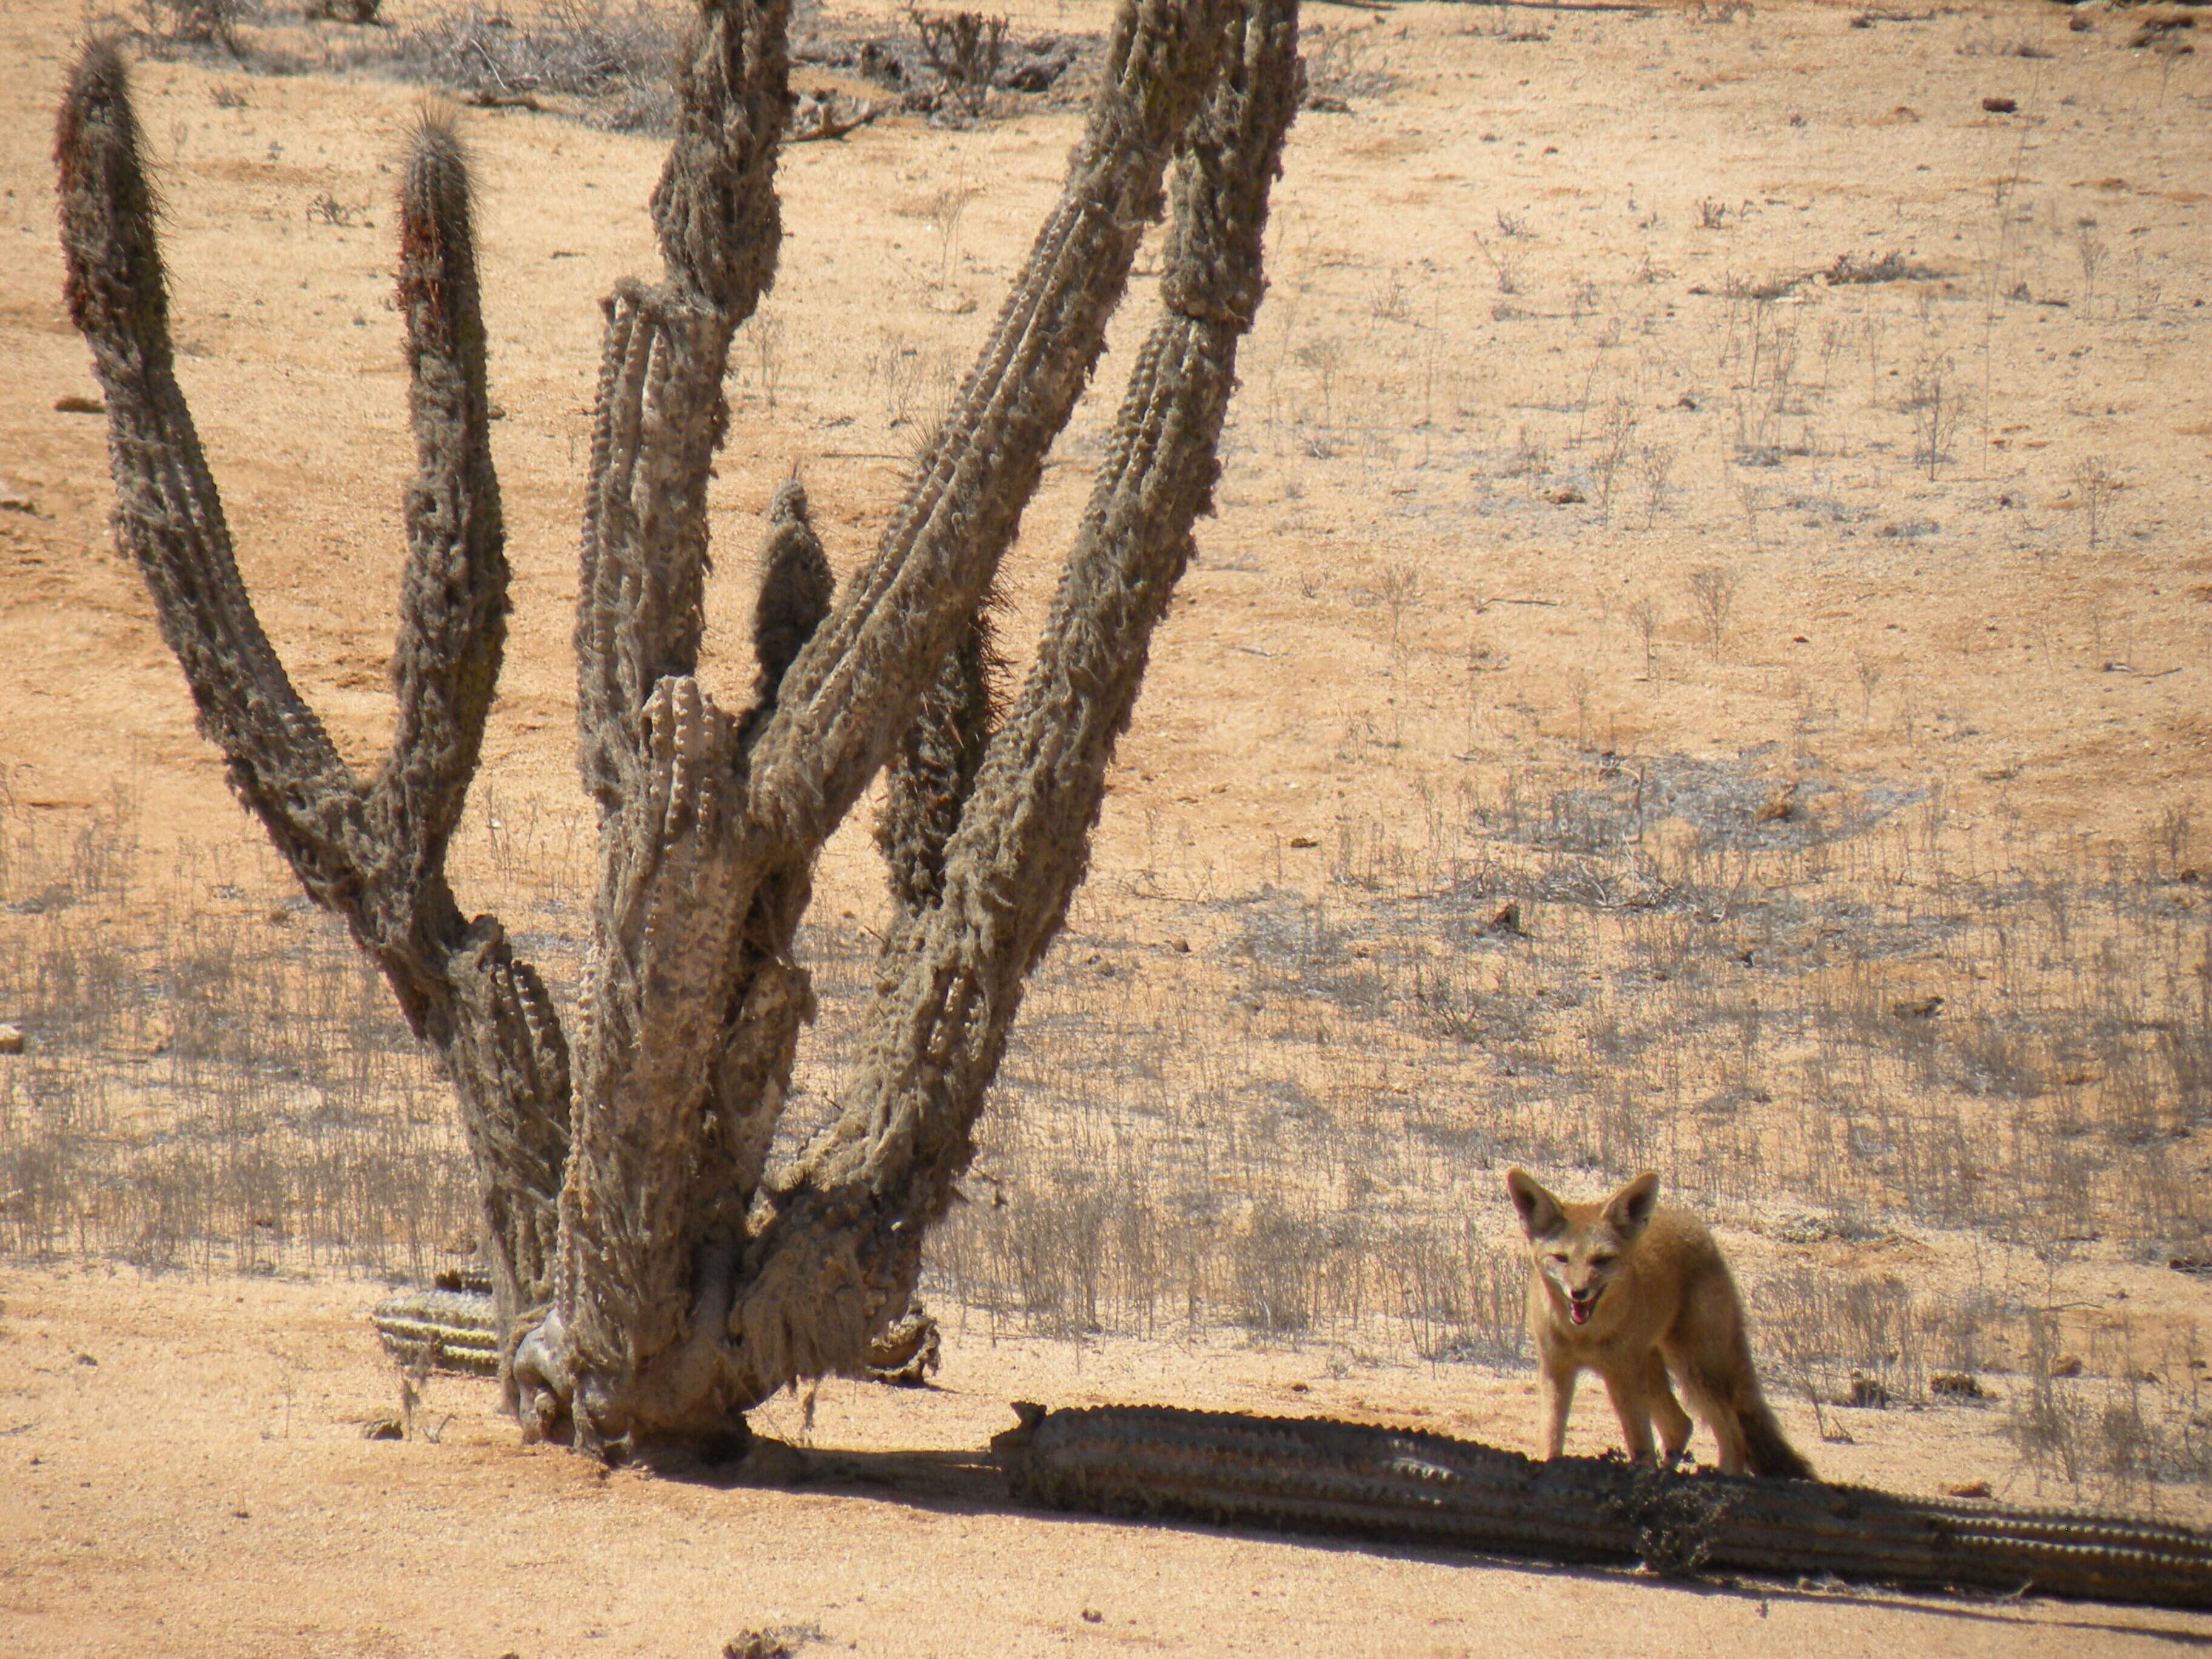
(1579,1310)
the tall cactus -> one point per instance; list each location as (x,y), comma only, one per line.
(649,1283)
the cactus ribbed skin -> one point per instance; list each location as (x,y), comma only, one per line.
(1316,1475)
(440,1330)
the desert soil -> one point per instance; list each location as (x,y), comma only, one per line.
(186,1473)
(184,1466)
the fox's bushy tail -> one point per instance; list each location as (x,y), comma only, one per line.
(1767,1449)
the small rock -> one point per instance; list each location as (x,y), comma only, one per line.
(1181,947)
(1300,843)
(1507,920)
(1999,105)
(86,1359)
(1972,1489)
(1092,1616)
(2068,1365)
(11,1039)
(386,1427)
(1918,1008)
(15,499)
(757,1645)
(71,404)
(1955,1385)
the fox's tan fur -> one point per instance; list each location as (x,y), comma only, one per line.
(1654,1297)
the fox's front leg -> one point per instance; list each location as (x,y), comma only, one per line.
(1626,1384)
(1559,1401)
(1672,1421)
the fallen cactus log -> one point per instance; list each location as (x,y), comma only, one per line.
(1316,1475)
(440,1330)
(454,1327)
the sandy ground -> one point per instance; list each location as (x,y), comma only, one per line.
(185,1474)
(1501,240)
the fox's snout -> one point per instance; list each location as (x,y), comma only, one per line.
(1582,1301)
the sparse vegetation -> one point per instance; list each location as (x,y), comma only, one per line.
(2094,484)
(195,22)
(965,48)
(1317,1167)
(1712,591)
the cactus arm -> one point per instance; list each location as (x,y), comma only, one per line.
(716,207)
(168,513)
(853,691)
(640,593)
(660,414)
(453,599)
(510,1064)
(488,1012)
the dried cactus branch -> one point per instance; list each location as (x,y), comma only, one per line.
(1315,1475)
(461,1330)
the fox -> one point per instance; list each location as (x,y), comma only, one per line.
(1633,1292)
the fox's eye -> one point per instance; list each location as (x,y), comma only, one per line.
(1558,1255)
(1601,1261)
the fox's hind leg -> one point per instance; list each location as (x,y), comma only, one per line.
(1710,1397)
(1674,1422)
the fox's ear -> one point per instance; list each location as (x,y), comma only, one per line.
(1541,1214)
(1631,1207)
